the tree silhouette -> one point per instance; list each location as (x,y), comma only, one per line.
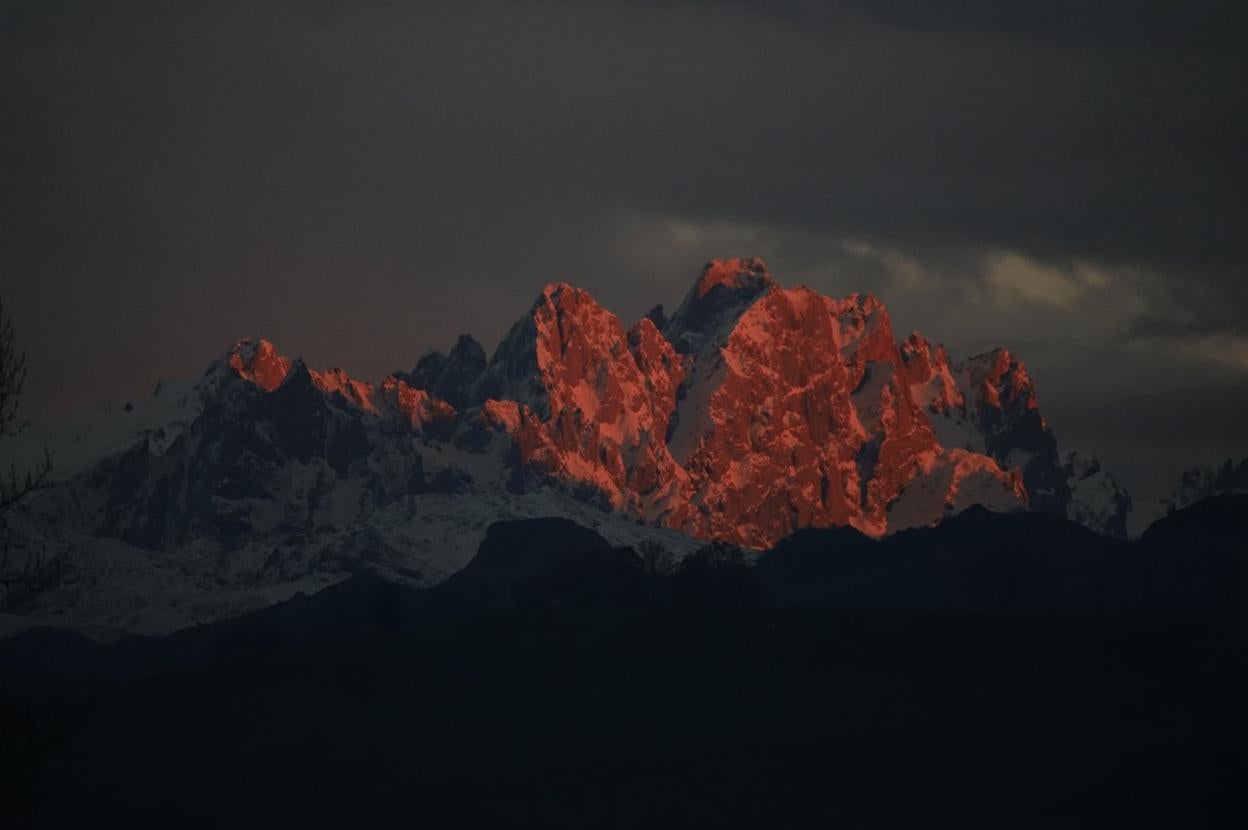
(15,485)
(22,579)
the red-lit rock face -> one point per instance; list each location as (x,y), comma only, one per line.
(414,405)
(767,431)
(788,409)
(930,376)
(259,363)
(1002,382)
(607,397)
(901,445)
(337,381)
(756,411)
(656,476)
(732,274)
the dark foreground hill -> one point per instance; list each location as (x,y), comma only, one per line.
(1003,671)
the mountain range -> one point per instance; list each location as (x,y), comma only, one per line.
(753,411)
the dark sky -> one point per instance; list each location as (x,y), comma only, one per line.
(360,181)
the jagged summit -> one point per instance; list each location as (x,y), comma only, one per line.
(784,409)
(930,375)
(452,376)
(753,411)
(259,361)
(657,316)
(1002,381)
(553,291)
(524,363)
(740,274)
(721,294)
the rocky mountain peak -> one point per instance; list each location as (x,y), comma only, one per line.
(453,376)
(865,329)
(930,375)
(736,275)
(1096,498)
(1001,381)
(259,362)
(754,411)
(721,294)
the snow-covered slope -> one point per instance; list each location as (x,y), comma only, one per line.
(1097,500)
(106,587)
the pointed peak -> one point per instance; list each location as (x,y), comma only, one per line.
(259,362)
(916,346)
(467,354)
(249,346)
(645,327)
(518,368)
(737,274)
(430,357)
(563,296)
(864,303)
(301,381)
(556,291)
(450,376)
(866,331)
(1002,380)
(724,290)
(466,343)
(646,341)
(561,302)
(929,374)
(299,373)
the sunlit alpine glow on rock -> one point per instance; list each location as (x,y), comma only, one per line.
(754,411)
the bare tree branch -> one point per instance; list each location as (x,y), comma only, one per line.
(15,485)
(35,573)
(12,372)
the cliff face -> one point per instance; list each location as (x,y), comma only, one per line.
(756,411)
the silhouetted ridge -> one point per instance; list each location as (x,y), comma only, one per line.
(517,548)
(451,377)
(979,562)
(1219,521)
